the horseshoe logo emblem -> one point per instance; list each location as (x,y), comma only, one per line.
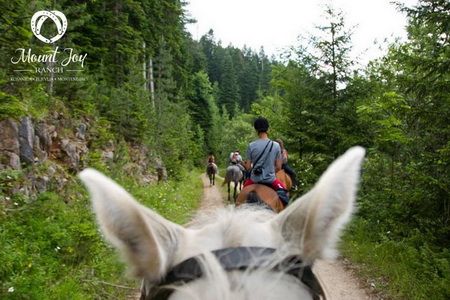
(56,16)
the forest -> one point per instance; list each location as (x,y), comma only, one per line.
(147,90)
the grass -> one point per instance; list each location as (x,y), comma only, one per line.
(176,201)
(398,268)
(50,248)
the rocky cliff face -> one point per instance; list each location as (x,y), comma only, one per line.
(48,150)
(9,144)
(24,143)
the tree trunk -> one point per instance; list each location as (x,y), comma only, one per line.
(333,61)
(144,67)
(151,82)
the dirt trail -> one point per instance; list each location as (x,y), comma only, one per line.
(211,194)
(338,281)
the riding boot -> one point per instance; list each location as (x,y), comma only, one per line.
(291,174)
(283,195)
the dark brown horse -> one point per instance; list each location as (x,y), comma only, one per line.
(262,194)
(211,170)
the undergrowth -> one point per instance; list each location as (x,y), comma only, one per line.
(50,248)
(403,269)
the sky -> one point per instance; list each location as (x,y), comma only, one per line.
(276,24)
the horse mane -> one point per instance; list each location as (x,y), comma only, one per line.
(218,284)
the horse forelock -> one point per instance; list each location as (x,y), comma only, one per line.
(236,285)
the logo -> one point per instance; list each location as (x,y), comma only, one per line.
(44,64)
(56,16)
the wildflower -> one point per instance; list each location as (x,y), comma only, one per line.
(11,289)
(16,204)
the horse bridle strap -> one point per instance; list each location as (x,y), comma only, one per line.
(231,259)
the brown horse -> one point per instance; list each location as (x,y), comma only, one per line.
(211,170)
(262,194)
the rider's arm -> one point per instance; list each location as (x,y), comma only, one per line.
(249,154)
(278,164)
(278,160)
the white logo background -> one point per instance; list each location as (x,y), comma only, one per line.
(56,16)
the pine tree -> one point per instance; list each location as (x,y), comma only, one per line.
(327,52)
(229,89)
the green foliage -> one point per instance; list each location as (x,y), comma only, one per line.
(229,90)
(241,75)
(52,249)
(384,115)
(204,111)
(11,107)
(175,138)
(326,54)
(399,110)
(175,200)
(399,268)
(404,197)
(46,240)
(235,134)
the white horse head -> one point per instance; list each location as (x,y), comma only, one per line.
(261,251)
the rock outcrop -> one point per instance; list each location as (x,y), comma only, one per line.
(56,145)
(26,140)
(9,144)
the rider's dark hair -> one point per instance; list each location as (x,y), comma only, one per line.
(261,124)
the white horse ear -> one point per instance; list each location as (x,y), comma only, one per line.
(312,224)
(147,240)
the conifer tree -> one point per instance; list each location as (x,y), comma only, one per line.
(229,89)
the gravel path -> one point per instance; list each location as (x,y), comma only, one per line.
(338,281)
(211,195)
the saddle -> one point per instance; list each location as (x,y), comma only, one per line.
(285,178)
(265,193)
